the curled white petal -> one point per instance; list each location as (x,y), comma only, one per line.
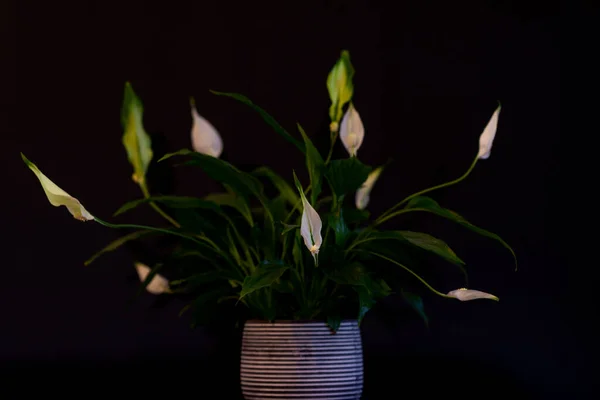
(364,192)
(58,197)
(158,285)
(310,228)
(487,136)
(205,138)
(352,131)
(468,294)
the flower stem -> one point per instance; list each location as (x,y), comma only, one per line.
(384,216)
(412,273)
(333,135)
(146,193)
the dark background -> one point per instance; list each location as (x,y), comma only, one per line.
(428,77)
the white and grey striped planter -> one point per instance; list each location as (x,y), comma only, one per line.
(301,360)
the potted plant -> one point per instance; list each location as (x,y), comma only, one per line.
(299,257)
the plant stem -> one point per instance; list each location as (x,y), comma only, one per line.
(412,273)
(334,136)
(422,192)
(146,193)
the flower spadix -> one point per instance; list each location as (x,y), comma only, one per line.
(364,192)
(486,139)
(468,294)
(58,197)
(205,138)
(352,131)
(310,226)
(158,285)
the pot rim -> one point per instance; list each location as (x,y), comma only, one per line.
(295,321)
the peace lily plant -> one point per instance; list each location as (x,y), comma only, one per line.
(306,252)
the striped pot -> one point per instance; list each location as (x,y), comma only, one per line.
(301,360)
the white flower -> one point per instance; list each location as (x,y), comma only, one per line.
(205,138)
(57,196)
(310,226)
(487,136)
(352,131)
(158,285)
(363,194)
(467,294)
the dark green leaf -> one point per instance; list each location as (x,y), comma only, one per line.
(234,201)
(416,302)
(112,246)
(421,240)
(337,223)
(355,216)
(334,322)
(197,280)
(265,275)
(170,201)
(349,274)
(221,171)
(242,183)
(287,228)
(365,302)
(265,116)
(315,166)
(347,175)
(203,306)
(297,254)
(424,203)
(284,188)
(284,286)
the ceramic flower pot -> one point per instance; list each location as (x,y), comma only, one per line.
(301,360)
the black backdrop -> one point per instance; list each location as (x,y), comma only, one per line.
(428,77)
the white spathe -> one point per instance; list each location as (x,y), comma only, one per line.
(310,228)
(352,131)
(468,294)
(158,285)
(58,197)
(364,192)
(205,137)
(487,136)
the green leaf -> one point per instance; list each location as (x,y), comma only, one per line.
(234,201)
(315,166)
(197,280)
(340,86)
(287,228)
(203,306)
(353,274)
(365,302)
(416,302)
(284,286)
(114,245)
(420,240)
(334,322)
(424,203)
(355,216)
(242,183)
(265,116)
(284,188)
(337,223)
(170,201)
(297,253)
(347,175)
(221,171)
(135,139)
(265,275)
